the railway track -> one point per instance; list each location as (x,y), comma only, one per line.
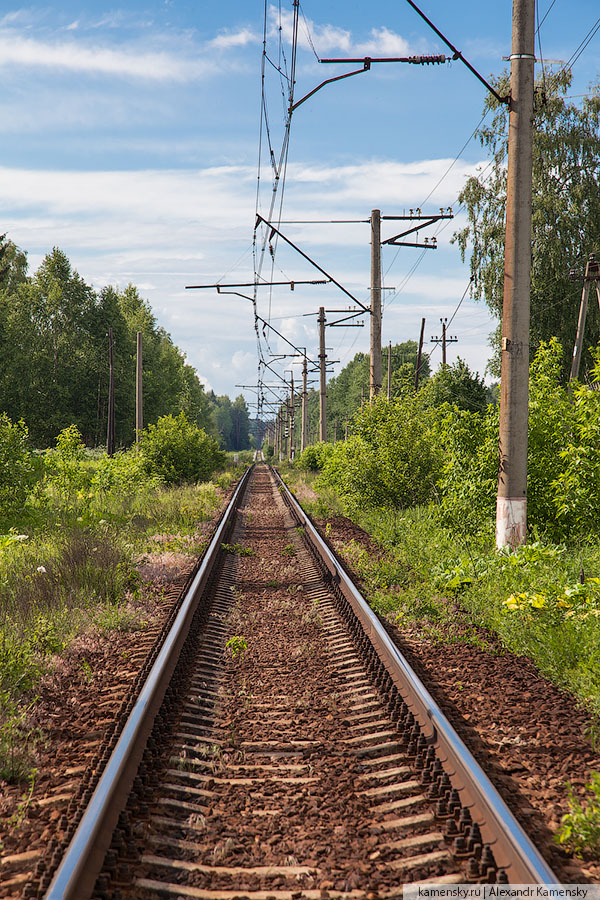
(277,745)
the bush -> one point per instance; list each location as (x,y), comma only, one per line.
(314,457)
(17,469)
(392,461)
(122,475)
(470,480)
(176,450)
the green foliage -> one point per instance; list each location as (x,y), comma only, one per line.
(17,746)
(237,549)
(314,457)
(566,162)
(53,359)
(237,646)
(232,422)
(175,450)
(65,474)
(456,384)
(378,466)
(17,470)
(580,828)
(577,485)
(469,482)
(122,475)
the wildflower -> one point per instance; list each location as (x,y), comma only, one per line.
(41,570)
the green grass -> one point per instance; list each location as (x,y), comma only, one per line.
(425,571)
(65,571)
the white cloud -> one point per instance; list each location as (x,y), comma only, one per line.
(329,38)
(234,39)
(127,61)
(163,230)
(384,42)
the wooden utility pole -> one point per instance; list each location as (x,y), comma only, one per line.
(110,431)
(592,271)
(346,429)
(375,362)
(304,423)
(389,372)
(511,508)
(139,399)
(419,355)
(323,377)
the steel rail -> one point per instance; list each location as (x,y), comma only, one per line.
(76,874)
(512,848)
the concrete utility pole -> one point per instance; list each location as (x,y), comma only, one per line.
(110,431)
(389,371)
(419,355)
(304,423)
(139,399)
(375,365)
(323,377)
(444,340)
(511,508)
(592,273)
(292,443)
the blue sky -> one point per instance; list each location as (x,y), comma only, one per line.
(130,139)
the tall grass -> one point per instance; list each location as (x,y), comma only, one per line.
(68,564)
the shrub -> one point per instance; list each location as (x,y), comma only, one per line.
(123,475)
(392,461)
(176,451)
(470,479)
(17,469)
(66,476)
(313,458)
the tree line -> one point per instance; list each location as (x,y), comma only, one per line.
(54,358)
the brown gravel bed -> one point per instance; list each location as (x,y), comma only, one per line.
(286,789)
(528,735)
(72,709)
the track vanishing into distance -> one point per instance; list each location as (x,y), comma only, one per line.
(277,745)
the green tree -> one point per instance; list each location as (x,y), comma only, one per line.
(240,424)
(456,384)
(565,217)
(52,329)
(13,265)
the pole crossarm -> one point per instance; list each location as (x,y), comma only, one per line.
(274,230)
(423,222)
(367,62)
(292,284)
